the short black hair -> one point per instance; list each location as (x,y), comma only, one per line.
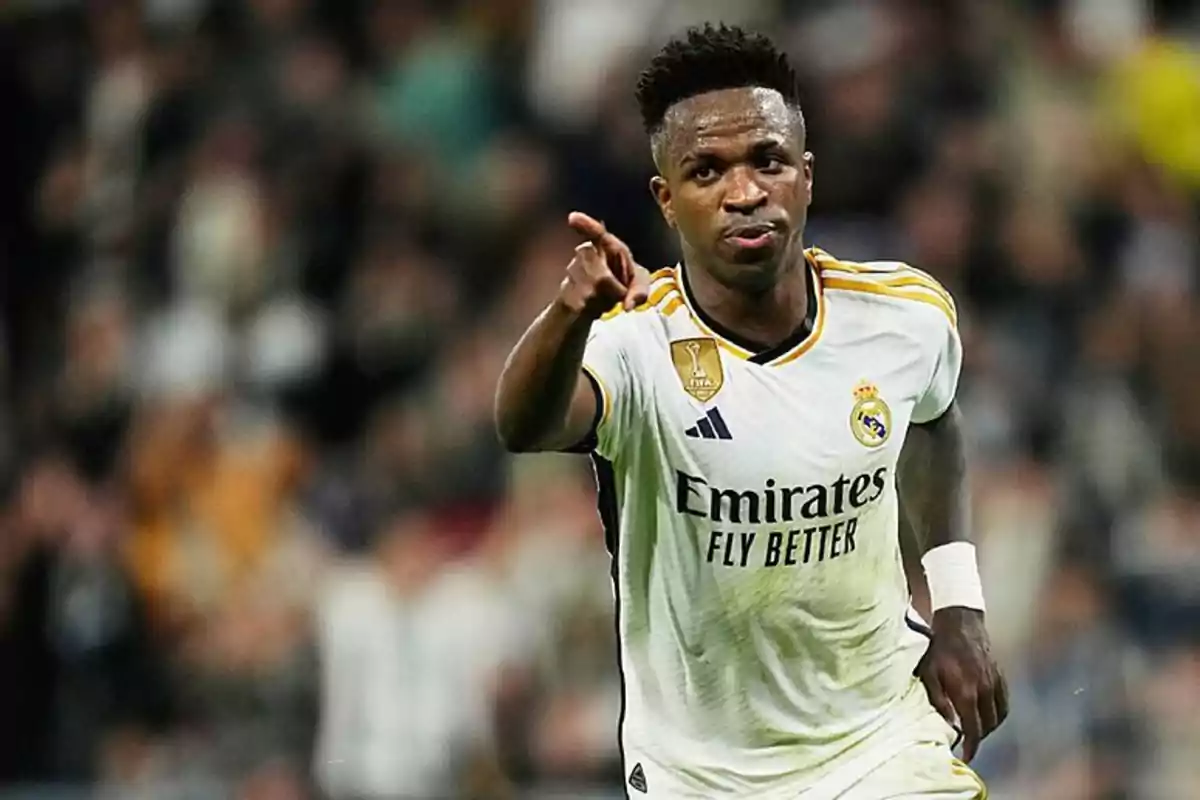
(706,59)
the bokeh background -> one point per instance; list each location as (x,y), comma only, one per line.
(261,261)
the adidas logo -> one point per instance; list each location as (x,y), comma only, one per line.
(637,778)
(710,426)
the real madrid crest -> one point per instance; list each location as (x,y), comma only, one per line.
(698,363)
(870,419)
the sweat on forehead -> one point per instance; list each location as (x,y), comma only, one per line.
(725,112)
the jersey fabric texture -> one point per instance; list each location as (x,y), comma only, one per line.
(766,638)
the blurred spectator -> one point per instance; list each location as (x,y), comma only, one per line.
(561,700)
(407,670)
(94,673)
(1070,700)
(1170,701)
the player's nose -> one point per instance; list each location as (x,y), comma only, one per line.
(743,194)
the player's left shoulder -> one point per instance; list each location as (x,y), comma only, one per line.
(663,298)
(906,290)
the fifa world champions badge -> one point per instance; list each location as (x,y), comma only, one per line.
(870,419)
(698,364)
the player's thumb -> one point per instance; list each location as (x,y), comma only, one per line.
(639,288)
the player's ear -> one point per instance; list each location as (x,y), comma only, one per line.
(662,196)
(808,177)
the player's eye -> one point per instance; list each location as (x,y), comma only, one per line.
(703,173)
(770,163)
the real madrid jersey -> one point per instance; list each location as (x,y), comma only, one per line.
(750,506)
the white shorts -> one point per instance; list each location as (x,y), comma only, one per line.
(921,771)
(911,759)
(925,771)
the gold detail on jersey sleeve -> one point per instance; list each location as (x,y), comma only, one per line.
(698,364)
(657,295)
(890,279)
(917,279)
(662,284)
(914,293)
(616,310)
(870,419)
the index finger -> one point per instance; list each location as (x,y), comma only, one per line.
(968,716)
(590,228)
(1001,697)
(620,259)
(989,716)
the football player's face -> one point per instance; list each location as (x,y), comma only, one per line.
(736,182)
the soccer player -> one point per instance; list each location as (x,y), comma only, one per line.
(760,416)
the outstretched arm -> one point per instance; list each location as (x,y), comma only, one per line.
(543,399)
(958,670)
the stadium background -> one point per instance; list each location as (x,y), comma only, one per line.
(261,262)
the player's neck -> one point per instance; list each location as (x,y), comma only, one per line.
(764,318)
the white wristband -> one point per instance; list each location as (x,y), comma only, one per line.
(953,576)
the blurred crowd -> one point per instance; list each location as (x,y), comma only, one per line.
(261,262)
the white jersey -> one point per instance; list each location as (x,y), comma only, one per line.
(766,637)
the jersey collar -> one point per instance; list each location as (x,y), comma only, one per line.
(790,348)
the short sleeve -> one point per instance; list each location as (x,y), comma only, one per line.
(943,385)
(606,362)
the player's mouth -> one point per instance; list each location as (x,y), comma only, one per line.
(752,236)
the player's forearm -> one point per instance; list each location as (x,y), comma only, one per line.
(534,394)
(932,482)
(935,508)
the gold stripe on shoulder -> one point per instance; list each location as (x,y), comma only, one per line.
(926,275)
(878,288)
(665,272)
(827,262)
(923,282)
(880,269)
(660,289)
(672,305)
(659,298)
(657,294)
(894,273)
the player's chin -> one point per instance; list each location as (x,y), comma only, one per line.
(756,275)
(753,266)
